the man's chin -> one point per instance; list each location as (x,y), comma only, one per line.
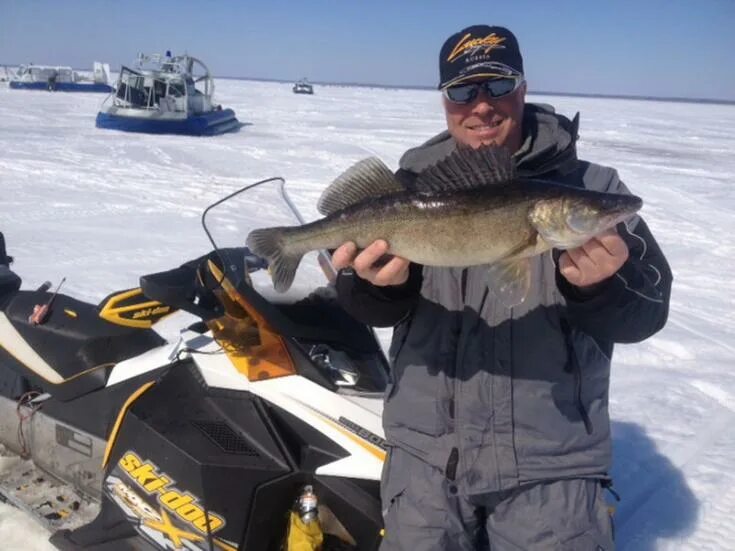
(479,139)
(491,141)
(484,142)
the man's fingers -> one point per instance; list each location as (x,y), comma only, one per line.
(363,262)
(583,267)
(607,252)
(395,272)
(344,255)
(596,260)
(568,268)
(582,259)
(614,244)
(382,261)
(594,250)
(372,263)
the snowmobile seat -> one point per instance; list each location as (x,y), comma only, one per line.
(78,348)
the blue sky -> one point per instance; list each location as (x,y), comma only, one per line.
(670,48)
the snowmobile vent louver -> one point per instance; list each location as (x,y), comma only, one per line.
(225,437)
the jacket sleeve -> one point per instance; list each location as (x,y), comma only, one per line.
(378,306)
(381,306)
(634,303)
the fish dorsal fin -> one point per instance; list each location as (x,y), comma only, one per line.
(365,179)
(467,168)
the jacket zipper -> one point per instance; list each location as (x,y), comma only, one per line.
(458,361)
(454,456)
(575,369)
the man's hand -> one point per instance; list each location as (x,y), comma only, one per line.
(393,272)
(595,261)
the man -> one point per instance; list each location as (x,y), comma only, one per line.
(497,418)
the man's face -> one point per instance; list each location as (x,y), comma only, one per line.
(488,121)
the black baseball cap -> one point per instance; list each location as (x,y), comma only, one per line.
(476,51)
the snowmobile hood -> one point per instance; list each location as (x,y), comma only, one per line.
(549,144)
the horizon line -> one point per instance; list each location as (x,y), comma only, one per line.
(676,99)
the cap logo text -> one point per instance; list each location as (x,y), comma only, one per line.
(468,45)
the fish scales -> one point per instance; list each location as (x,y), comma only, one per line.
(442,229)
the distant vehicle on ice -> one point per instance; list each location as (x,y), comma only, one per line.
(303,87)
(166,95)
(61,79)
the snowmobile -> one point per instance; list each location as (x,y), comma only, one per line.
(258,429)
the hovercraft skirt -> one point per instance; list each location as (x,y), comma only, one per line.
(206,124)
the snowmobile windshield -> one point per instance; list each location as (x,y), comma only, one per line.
(266,203)
(333,347)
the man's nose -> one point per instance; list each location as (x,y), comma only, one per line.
(483,103)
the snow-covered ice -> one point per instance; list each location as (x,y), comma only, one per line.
(103,207)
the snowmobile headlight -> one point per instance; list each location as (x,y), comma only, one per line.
(336,363)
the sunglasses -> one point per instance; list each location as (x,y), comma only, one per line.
(494,88)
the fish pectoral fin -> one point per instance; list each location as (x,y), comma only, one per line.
(510,281)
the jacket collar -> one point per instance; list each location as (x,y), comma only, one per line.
(549,145)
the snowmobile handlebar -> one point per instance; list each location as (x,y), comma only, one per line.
(254,262)
(189,287)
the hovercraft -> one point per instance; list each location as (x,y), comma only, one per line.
(303,87)
(166,95)
(61,79)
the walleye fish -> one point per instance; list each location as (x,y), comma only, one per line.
(468,209)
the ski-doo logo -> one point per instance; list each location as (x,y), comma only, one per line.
(148,312)
(469,46)
(184,505)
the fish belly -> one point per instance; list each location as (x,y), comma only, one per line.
(442,236)
(460,240)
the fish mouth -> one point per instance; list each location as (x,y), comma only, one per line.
(612,220)
(610,212)
(623,207)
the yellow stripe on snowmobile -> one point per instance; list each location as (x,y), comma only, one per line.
(365,444)
(120,416)
(224,545)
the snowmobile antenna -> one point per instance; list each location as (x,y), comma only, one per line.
(41,311)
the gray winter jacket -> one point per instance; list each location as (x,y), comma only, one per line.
(497,397)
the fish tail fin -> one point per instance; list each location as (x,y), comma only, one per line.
(269,243)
